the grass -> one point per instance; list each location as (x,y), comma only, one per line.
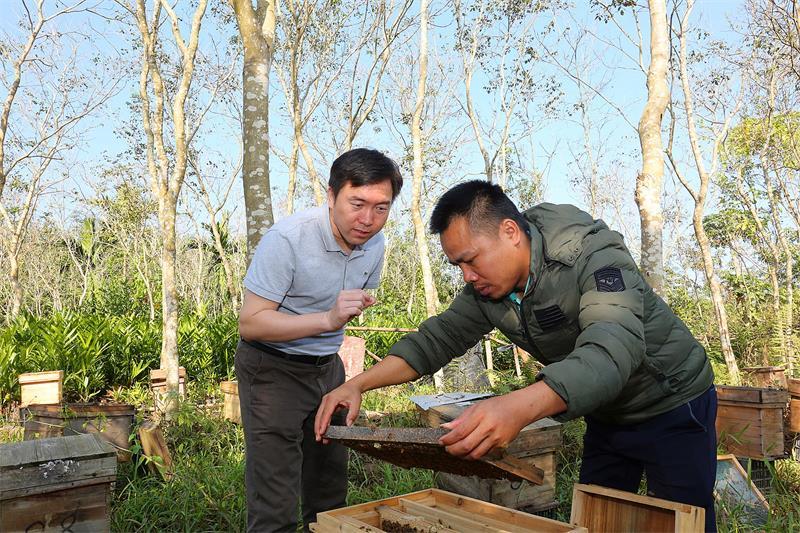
(207,491)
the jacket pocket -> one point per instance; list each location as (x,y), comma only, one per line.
(664,382)
(558,342)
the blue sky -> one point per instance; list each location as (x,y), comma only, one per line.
(555,146)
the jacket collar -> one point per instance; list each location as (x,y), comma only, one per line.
(537,254)
(561,230)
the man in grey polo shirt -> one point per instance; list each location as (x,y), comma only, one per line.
(307,279)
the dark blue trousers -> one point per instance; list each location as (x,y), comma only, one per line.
(676,450)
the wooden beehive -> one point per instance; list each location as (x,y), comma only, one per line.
(58,484)
(155,449)
(766,376)
(158,384)
(794,405)
(113,422)
(41,387)
(603,509)
(750,421)
(433,510)
(232,409)
(535,445)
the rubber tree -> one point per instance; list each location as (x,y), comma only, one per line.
(650,181)
(699,194)
(256,22)
(167,138)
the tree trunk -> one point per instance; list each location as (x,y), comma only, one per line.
(772,269)
(169,302)
(786,314)
(233,294)
(149,290)
(319,196)
(649,183)
(291,186)
(257,30)
(16,286)
(717,299)
(699,198)
(431,297)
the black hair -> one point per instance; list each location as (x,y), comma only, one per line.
(482,203)
(363,166)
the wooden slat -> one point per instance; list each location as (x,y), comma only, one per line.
(759,416)
(155,447)
(794,416)
(39,466)
(544,434)
(751,394)
(41,377)
(794,387)
(425,495)
(232,409)
(351,525)
(395,520)
(81,509)
(456,520)
(420,447)
(160,374)
(344,523)
(507,516)
(369,517)
(516,466)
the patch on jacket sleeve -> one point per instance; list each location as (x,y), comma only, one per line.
(549,317)
(609,279)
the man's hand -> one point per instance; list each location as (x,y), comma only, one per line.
(346,396)
(487,425)
(349,304)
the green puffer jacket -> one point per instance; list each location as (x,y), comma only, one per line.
(611,346)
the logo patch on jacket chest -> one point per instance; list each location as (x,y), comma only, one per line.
(549,317)
(609,279)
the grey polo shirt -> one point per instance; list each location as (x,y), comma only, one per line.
(299,265)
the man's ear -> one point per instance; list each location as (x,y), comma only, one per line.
(331,197)
(510,230)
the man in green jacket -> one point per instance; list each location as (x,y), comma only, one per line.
(565,288)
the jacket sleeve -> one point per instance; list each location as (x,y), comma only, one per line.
(444,336)
(611,344)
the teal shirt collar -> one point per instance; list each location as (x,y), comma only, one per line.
(513,294)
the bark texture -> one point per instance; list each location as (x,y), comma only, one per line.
(649,183)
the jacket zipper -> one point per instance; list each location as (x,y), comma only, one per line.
(525,322)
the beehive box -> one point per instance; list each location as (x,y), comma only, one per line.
(158,384)
(112,421)
(603,509)
(434,510)
(57,484)
(794,408)
(231,409)
(750,421)
(766,376)
(535,445)
(41,387)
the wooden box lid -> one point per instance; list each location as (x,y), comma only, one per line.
(160,374)
(41,377)
(752,395)
(229,387)
(47,465)
(794,387)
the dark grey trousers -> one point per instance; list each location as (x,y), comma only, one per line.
(283,462)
